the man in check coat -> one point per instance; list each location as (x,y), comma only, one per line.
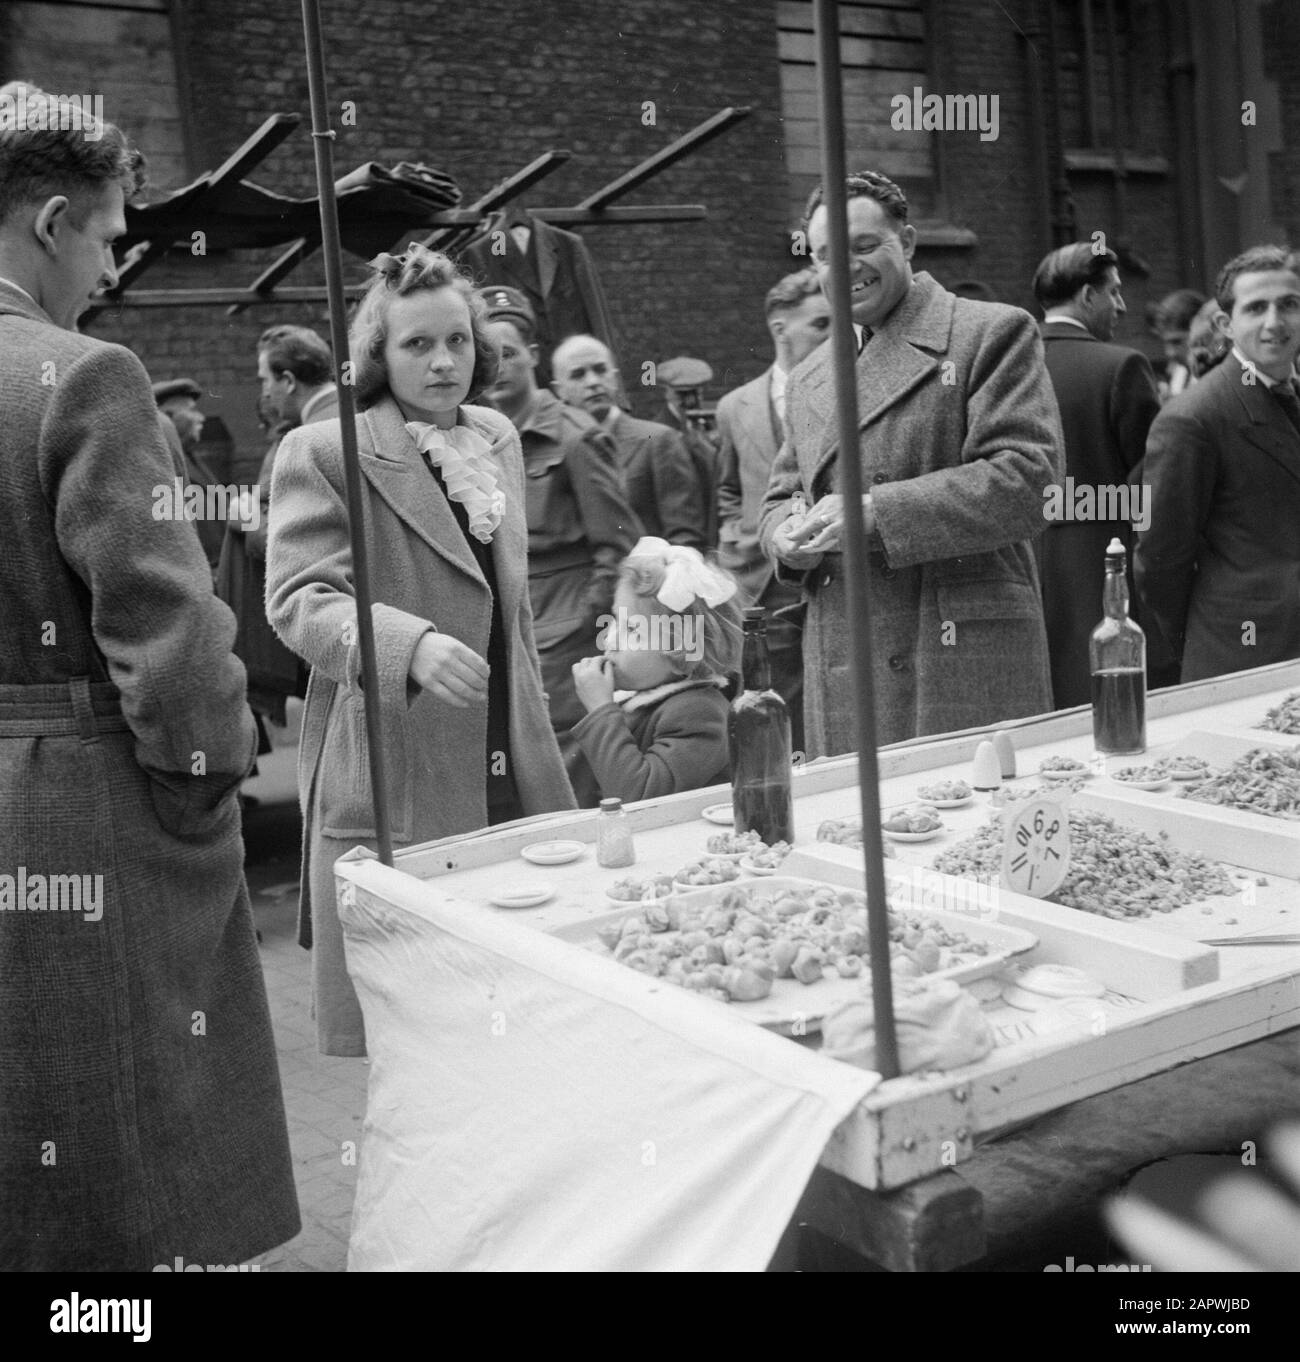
(959,437)
(1108,399)
(1219,567)
(141,1118)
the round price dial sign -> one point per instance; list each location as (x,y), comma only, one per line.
(1036,851)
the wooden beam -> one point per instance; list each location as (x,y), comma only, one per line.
(502,192)
(586,217)
(661,160)
(220,297)
(933,1225)
(252,152)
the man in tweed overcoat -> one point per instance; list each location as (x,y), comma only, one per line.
(959,436)
(141,1118)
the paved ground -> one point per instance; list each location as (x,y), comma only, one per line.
(324,1098)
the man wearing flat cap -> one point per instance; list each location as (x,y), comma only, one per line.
(580,525)
(178,403)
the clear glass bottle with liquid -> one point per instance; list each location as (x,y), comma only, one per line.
(614,846)
(758,730)
(1117,655)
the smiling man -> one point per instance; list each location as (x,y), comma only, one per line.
(959,436)
(139,1095)
(1219,568)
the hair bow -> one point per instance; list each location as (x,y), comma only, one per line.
(686,575)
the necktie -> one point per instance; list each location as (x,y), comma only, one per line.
(864,338)
(1286,394)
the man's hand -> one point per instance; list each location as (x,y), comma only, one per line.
(823,527)
(785,538)
(449,670)
(593,679)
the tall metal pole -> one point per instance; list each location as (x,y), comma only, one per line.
(322,137)
(844,370)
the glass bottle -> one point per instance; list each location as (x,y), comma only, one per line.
(1117,655)
(758,729)
(614,835)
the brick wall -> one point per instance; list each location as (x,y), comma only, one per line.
(480,91)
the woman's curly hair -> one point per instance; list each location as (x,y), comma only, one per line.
(398,276)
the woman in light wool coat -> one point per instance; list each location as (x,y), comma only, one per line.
(467,740)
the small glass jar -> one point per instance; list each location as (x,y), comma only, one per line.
(614,836)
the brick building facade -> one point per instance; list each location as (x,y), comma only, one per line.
(1122,117)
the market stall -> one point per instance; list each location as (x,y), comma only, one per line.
(618,1082)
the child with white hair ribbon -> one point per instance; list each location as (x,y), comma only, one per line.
(656,719)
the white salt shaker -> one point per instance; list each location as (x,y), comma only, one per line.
(987,771)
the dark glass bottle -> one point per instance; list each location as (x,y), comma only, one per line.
(758,730)
(1117,654)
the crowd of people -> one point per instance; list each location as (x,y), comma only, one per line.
(557,590)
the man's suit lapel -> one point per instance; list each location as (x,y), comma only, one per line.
(757,418)
(1266,425)
(397,471)
(890,366)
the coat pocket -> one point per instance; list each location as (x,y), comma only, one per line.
(987,598)
(343,774)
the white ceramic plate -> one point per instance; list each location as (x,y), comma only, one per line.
(1142,784)
(521,895)
(553,853)
(750,868)
(911,836)
(1082,773)
(1183,773)
(950,803)
(722,814)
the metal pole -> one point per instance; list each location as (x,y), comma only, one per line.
(322,136)
(855,541)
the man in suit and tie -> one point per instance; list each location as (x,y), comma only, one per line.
(659,476)
(1108,399)
(959,437)
(1219,567)
(751,422)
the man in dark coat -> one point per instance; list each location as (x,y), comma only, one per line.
(178,400)
(141,1119)
(659,476)
(1219,567)
(1108,399)
(959,437)
(580,526)
(751,427)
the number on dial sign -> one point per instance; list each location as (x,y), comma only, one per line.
(449,670)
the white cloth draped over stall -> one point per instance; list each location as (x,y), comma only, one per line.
(536,1107)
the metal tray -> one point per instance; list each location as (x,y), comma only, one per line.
(795,1009)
